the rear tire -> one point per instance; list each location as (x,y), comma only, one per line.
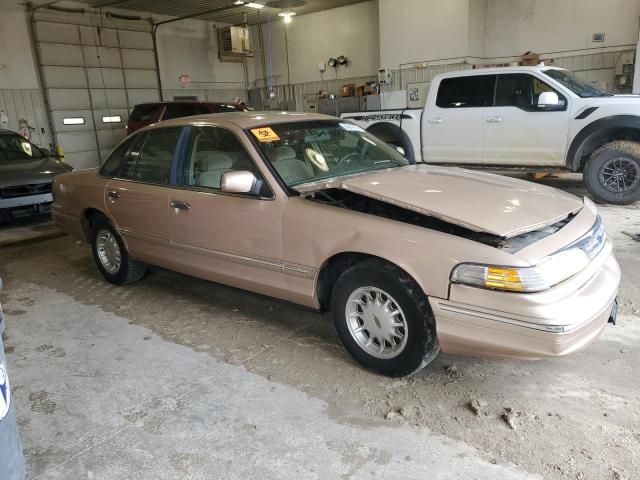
(111,256)
(383,318)
(612,174)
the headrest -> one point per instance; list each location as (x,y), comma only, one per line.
(213,161)
(283,153)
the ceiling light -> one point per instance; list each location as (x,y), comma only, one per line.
(287,16)
(238,2)
(255,5)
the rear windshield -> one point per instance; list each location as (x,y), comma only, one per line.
(144,113)
(16,147)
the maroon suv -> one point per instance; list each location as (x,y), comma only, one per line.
(148,113)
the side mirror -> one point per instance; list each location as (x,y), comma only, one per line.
(46,151)
(400,150)
(549,101)
(238,182)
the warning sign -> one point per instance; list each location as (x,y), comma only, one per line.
(265,134)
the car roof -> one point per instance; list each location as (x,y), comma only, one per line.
(242,119)
(184,102)
(500,70)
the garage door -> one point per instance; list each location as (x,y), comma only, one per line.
(92,78)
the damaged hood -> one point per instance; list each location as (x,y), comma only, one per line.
(479,201)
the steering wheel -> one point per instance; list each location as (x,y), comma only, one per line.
(346,160)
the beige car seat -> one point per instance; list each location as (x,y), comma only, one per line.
(289,167)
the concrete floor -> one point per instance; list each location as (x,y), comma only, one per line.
(175,377)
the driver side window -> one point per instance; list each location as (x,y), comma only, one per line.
(522,91)
(214,151)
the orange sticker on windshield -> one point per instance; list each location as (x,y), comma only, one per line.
(265,134)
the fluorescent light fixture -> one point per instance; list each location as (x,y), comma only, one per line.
(112,119)
(255,5)
(238,2)
(73,121)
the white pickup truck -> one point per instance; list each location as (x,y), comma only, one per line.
(532,118)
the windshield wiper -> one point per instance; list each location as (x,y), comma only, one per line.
(389,160)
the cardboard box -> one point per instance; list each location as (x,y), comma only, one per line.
(347,90)
(529,59)
(359,91)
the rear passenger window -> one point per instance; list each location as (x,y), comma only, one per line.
(145,113)
(466,92)
(152,163)
(178,111)
(111,166)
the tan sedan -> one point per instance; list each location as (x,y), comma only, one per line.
(410,259)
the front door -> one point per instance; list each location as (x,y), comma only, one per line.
(453,123)
(235,239)
(517,132)
(138,199)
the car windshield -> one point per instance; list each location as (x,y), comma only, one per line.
(16,147)
(303,152)
(578,86)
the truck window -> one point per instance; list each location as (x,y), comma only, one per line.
(466,92)
(521,91)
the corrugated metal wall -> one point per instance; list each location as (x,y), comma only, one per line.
(20,106)
(597,67)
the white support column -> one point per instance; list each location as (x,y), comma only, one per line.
(636,70)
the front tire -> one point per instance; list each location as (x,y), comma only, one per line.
(383,319)
(111,256)
(612,174)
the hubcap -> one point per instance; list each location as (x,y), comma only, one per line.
(619,174)
(376,322)
(108,251)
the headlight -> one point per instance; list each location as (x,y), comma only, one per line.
(528,279)
(548,272)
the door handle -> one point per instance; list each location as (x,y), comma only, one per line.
(435,120)
(494,119)
(180,205)
(113,194)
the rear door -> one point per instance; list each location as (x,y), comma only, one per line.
(138,199)
(453,121)
(517,132)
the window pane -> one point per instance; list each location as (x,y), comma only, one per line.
(464,92)
(213,152)
(153,163)
(515,91)
(144,113)
(521,91)
(111,166)
(177,111)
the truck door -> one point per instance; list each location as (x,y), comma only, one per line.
(454,117)
(517,132)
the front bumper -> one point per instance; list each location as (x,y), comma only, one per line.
(559,321)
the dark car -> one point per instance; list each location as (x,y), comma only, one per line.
(26,175)
(148,113)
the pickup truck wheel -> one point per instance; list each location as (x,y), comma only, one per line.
(111,256)
(612,174)
(383,319)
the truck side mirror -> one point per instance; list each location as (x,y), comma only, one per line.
(549,101)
